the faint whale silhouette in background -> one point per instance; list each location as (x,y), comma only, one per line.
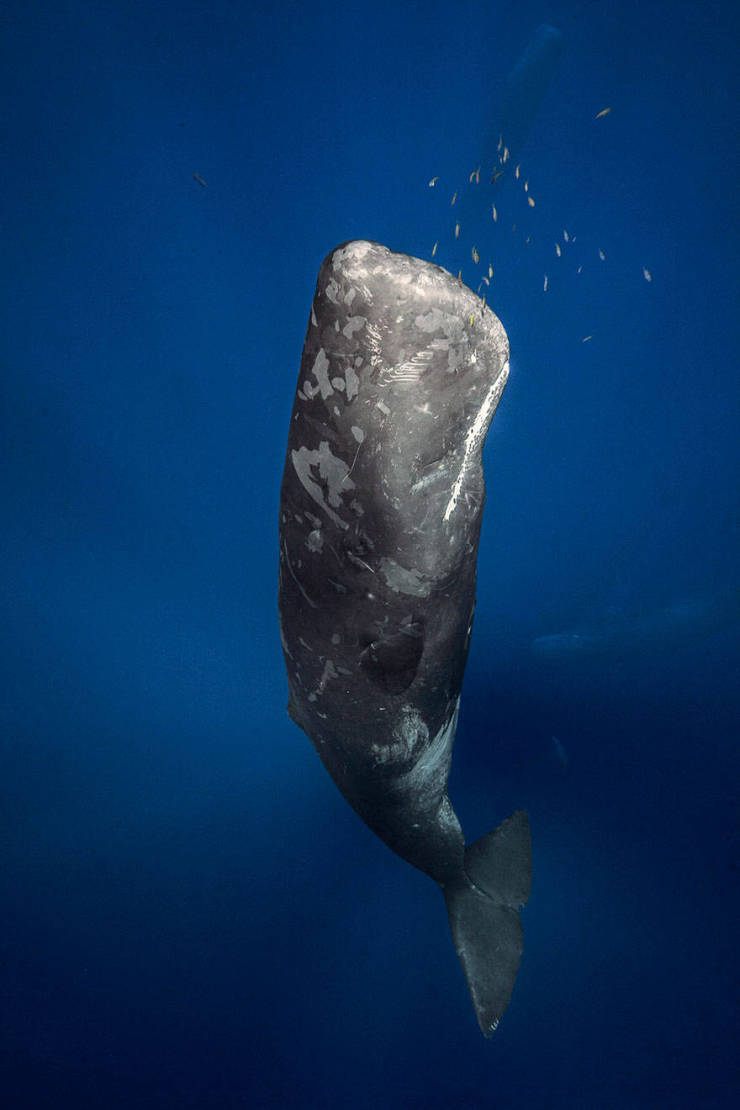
(512,112)
(631,629)
(380,515)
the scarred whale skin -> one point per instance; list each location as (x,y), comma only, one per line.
(380,514)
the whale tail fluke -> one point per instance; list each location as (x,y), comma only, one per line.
(483,908)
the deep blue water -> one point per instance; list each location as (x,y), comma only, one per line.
(190,914)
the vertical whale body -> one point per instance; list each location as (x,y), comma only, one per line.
(380,514)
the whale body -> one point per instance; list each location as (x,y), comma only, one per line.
(380,514)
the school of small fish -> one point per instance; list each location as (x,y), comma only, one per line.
(499,170)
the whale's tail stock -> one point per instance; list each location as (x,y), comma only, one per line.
(483,908)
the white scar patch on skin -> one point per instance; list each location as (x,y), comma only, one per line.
(353,324)
(404,581)
(333,471)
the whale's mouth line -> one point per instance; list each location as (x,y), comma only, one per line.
(476,435)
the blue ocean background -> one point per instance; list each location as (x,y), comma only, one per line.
(191,916)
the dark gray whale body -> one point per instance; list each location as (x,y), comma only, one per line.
(380,514)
